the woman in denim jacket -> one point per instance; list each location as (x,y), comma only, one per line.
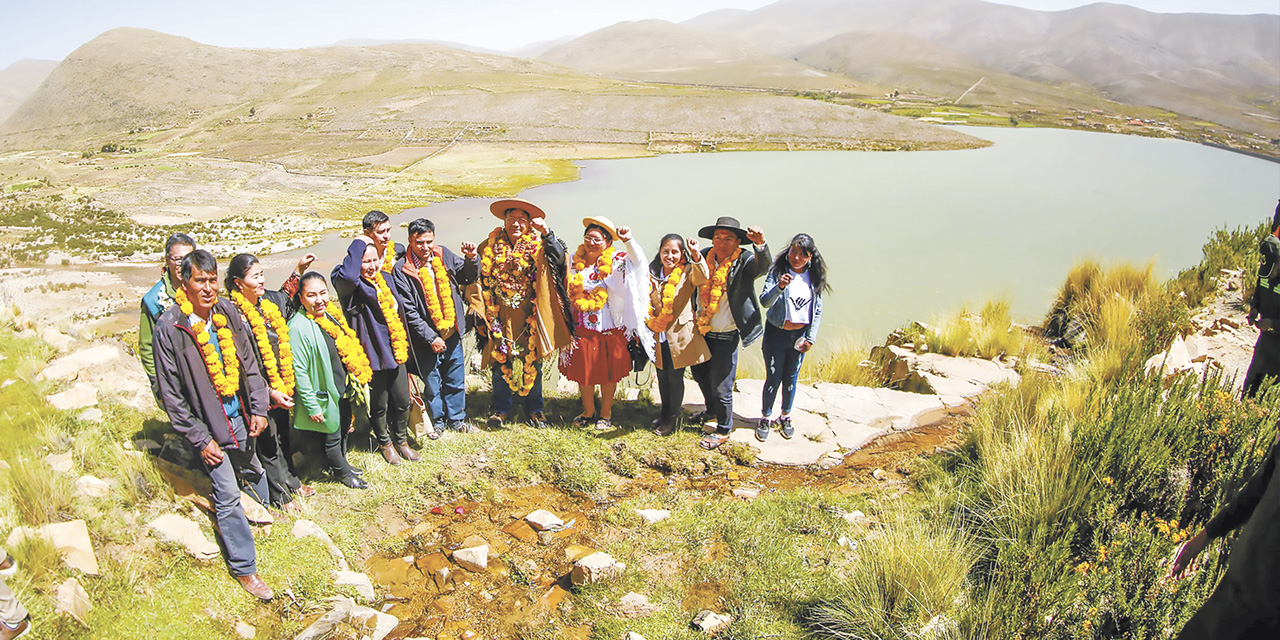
(792,300)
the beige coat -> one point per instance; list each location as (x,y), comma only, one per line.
(687,345)
(551,332)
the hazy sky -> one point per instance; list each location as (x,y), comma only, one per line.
(49,30)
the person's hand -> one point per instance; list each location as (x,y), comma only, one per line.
(319,417)
(1186,553)
(539,225)
(437,345)
(257,424)
(784,280)
(211,454)
(1264,324)
(304,263)
(468,250)
(624,234)
(755,235)
(280,400)
(805,346)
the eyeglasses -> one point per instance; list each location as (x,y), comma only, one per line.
(176,259)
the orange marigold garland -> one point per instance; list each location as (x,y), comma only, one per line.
(595,300)
(387,301)
(660,314)
(279,372)
(508,272)
(224,372)
(349,348)
(389,256)
(440,301)
(712,291)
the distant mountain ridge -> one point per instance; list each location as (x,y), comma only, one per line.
(19,80)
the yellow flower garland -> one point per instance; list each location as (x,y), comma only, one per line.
(582,301)
(226,379)
(660,315)
(387,301)
(513,277)
(440,301)
(389,256)
(712,291)
(279,372)
(348,343)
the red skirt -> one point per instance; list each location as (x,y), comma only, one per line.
(597,358)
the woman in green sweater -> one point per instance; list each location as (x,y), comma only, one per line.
(327,362)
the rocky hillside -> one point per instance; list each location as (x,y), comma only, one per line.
(19,80)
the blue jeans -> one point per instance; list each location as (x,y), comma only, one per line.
(446,382)
(503,402)
(781,366)
(233,527)
(715,377)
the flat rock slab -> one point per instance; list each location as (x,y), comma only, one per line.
(69,367)
(359,581)
(72,600)
(594,568)
(543,520)
(474,559)
(368,622)
(79,396)
(172,527)
(71,539)
(303,528)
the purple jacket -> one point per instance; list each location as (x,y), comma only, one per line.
(187,393)
(359,301)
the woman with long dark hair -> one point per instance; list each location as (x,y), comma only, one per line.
(328,360)
(266,313)
(674,277)
(792,298)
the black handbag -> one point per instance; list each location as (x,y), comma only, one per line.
(639,358)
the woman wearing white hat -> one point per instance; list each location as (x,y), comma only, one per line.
(608,294)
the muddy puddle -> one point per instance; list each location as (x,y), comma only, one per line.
(525,585)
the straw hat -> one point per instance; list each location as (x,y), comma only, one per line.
(604,222)
(499,208)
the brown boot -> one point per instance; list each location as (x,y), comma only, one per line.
(407,453)
(389,454)
(256,587)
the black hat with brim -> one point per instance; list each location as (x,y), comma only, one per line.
(728,224)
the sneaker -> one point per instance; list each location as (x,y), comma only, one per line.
(462,426)
(538,420)
(762,429)
(604,424)
(785,428)
(12,633)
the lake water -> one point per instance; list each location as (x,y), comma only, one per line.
(916,235)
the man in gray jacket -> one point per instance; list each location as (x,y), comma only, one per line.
(209,384)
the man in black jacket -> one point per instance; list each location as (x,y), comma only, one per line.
(198,340)
(435,330)
(1264,312)
(732,316)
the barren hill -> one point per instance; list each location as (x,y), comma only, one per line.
(663,51)
(1220,67)
(19,80)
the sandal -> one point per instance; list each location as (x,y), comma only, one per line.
(603,424)
(584,421)
(713,440)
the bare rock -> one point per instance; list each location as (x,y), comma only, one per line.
(594,568)
(254,511)
(246,630)
(474,559)
(57,339)
(543,520)
(746,493)
(68,367)
(359,581)
(631,635)
(61,462)
(172,527)
(436,567)
(307,529)
(710,622)
(92,414)
(72,600)
(89,486)
(71,539)
(653,516)
(635,605)
(367,622)
(79,396)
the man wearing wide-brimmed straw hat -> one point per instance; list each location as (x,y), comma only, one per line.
(728,315)
(523,302)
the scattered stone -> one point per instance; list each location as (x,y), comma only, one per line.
(631,635)
(879,474)
(172,527)
(246,630)
(552,598)
(69,367)
(520,530)
(79,396)
(62,462)
(576,552)
(594,568)
(543,520)
(710,622)
(635,605)
(71,539)
(855,518)
(357,580)
(473,541)
(436,567)
(368,622)
(746,493)
(149,446)
(88,486)
(254,511)
(845,542)
(92,414)
(474,559)
(652,516)
(57,339)
(73,601)
(305,528)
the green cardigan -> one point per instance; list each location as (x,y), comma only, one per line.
(315,393)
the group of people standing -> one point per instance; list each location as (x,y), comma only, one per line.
(250,376)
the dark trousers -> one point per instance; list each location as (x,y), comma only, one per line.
(715,377)
(333,445)
(389,405)
(670,384)
(781,366)
(281,483)
(502,396)
(233,527)
(1265,363)
(446,382)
